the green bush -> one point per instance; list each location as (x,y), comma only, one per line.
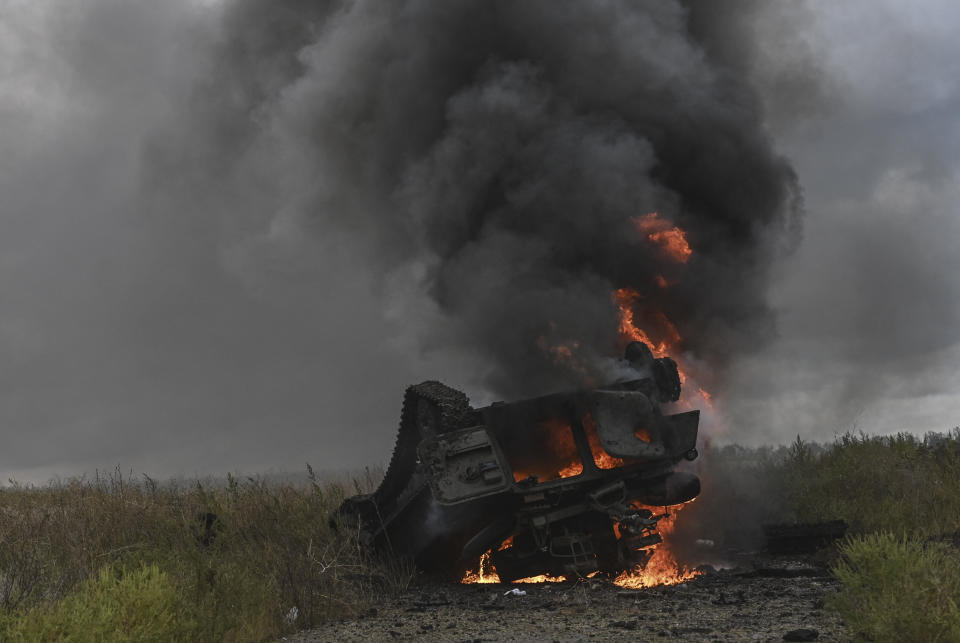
(897,588)
(116,605)
(899,483)
(895,483)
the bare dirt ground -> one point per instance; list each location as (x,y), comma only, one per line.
(770,600)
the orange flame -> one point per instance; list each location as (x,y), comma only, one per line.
(707,398)
(626,300)
(565,354)
(572,470)
(560,457)
(663,567)
(671,238)
(601,458)
(485,573)
(542,578)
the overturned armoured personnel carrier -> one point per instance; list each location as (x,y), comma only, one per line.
(560,485)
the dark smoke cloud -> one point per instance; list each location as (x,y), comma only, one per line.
(496,152)
(232,231)
(132,331)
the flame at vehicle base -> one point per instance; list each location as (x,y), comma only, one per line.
(662,568)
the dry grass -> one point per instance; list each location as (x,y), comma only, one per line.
(233,559)
(240,555)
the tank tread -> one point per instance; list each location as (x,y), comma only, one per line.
(454,405)
(450,409)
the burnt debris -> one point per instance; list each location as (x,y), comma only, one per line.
(564,485)
(803,538)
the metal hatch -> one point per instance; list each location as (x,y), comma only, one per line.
(464,465)
(629,426)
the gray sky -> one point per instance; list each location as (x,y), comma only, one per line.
(870,304)
(181,322)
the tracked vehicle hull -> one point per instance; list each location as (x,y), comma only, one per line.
(566,484)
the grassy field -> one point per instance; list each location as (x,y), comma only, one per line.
(119,558)
(246,560)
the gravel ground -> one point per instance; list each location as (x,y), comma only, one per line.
(772,601)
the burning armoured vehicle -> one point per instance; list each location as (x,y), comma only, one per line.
(561,485)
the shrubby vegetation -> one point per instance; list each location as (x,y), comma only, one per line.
(900,566)
(899,588)
(133,605)
(901,484)
(166,562)
(124,559)
(900,569)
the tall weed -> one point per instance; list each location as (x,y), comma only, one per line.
(248,559)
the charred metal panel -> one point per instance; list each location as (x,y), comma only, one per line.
(680,438)
(627,424)
(464,465)
(552,485)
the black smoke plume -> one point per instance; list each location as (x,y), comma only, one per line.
(498,152)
